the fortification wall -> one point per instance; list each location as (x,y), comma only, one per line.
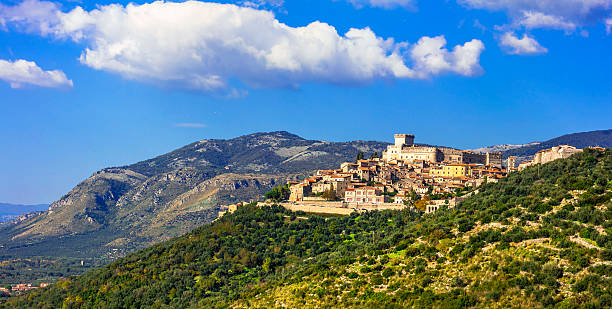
(339,208)
(318,209)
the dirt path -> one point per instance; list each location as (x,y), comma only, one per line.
(583,242)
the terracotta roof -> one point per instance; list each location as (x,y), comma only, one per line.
(597,148)
(457,164)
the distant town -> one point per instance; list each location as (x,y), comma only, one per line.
(20,288)
(406,175)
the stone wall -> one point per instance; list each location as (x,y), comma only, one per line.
(318,209)
(554,153)
(339,208)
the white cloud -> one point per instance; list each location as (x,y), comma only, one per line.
(262,3)
(20,73)
(431,58)
(386,4)
(31,16)
(209,46)
(608,23)
(556,14)
(524,46)
(532,20)
(567,8)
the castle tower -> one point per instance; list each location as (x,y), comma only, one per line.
(404,139)
(493,159)
(511,162)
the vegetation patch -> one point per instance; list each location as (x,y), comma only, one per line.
(511,245)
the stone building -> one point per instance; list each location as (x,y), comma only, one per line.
(300,190)
(548,155)
(525,164)
(494,159)
(511,163)
(404,149)
(452,170)
(557,152)
(365,195)
(348,167)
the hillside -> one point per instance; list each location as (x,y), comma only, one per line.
(602,138)
(121,209)
(538,238)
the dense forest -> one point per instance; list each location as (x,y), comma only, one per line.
(541,237)
(40,270)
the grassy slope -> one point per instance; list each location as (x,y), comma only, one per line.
(538,238)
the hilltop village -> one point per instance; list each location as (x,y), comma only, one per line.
(406,174)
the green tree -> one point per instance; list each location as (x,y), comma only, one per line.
(330,194)
(359,156)
(388,272)
(280,193)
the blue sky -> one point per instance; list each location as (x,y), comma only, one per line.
(71,104)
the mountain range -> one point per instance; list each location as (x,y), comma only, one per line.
(601,138)
(120,209)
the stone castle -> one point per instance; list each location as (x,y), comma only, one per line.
(404,149)
(551,154)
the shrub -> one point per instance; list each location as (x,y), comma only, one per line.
(377,279)
(352,275)
(388,272)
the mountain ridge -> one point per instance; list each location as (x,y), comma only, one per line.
(601,138)
(120,209)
